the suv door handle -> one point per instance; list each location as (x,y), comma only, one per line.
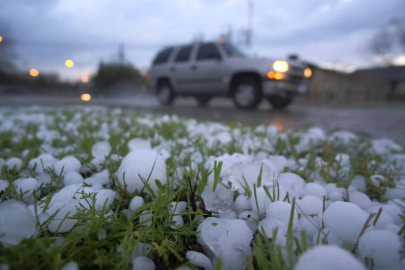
(173,69)
(194,67)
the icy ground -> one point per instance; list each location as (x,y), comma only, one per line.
(98,188)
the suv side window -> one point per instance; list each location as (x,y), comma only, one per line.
(208,51)
(184,54)
(163,56)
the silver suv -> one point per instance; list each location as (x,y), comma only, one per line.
(210,69)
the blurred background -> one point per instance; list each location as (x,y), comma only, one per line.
(99,51)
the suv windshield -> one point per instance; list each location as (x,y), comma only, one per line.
(232,50)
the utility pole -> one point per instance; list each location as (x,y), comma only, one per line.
(121,54)
(249,31)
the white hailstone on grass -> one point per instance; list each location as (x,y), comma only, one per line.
(14,163)
(101,149)
(198,259)
(229,215)
(392,227)
(3,184)
(146,163)
(359,182)
(177,222)
(383,220)
(360,199)
(393,210)
(177,207)
(309,224)
(377,179)
(396,202)
(315,189)
(385,146)
(269,226)
(342,137)
(292,183)
(143,263)
(101,178)
(279,161)
(398,192)
(26,188)
(228,239)
(219,201)
(251,219)
(242,203)
(136,203)
(67,164)
(260,200)
(146,218)
(309,205)
(71,266)
(383,247)
(250,172)
(105,197)
(65,194)
(139,144)
(282,211)
(326,236)
(345,219)
(16,222)
(141,249)
(43,161)
(328,257)
(72,178)
(63,221)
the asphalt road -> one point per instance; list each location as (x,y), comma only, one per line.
(374,121)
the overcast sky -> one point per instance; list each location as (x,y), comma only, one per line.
(47,32)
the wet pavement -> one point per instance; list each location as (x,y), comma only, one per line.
(369,121)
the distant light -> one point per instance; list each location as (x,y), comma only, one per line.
(85,79)
(69,63)
(34,72)
(85,97)
(308,73)
(1,39)
(221,40)
(280,66)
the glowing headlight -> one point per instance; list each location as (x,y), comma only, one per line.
(280,66)
(307,73)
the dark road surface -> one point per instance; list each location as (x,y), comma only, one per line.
(369,121)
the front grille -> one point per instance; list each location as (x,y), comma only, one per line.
(295,78)
(296,69)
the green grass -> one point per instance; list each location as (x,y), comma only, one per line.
(94,240)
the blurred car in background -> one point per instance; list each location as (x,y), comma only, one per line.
(210,69)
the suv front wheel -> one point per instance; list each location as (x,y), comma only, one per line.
(165,93)
(280,102)
(246,92)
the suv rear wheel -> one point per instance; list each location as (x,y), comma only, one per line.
(203,101)
(246,92)
(165,93)
(280,102)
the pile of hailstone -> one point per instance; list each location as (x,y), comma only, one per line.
(324,201)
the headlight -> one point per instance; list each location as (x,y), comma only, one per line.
(308,73)
(280,66)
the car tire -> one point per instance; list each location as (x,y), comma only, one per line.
(203,101)
(246,93)
(279,102)
(165,93)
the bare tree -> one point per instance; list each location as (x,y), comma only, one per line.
(386,42)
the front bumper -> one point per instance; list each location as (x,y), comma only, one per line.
(273,87)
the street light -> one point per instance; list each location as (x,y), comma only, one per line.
(85,79)
(34,72)
(1,39)
(69,63)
